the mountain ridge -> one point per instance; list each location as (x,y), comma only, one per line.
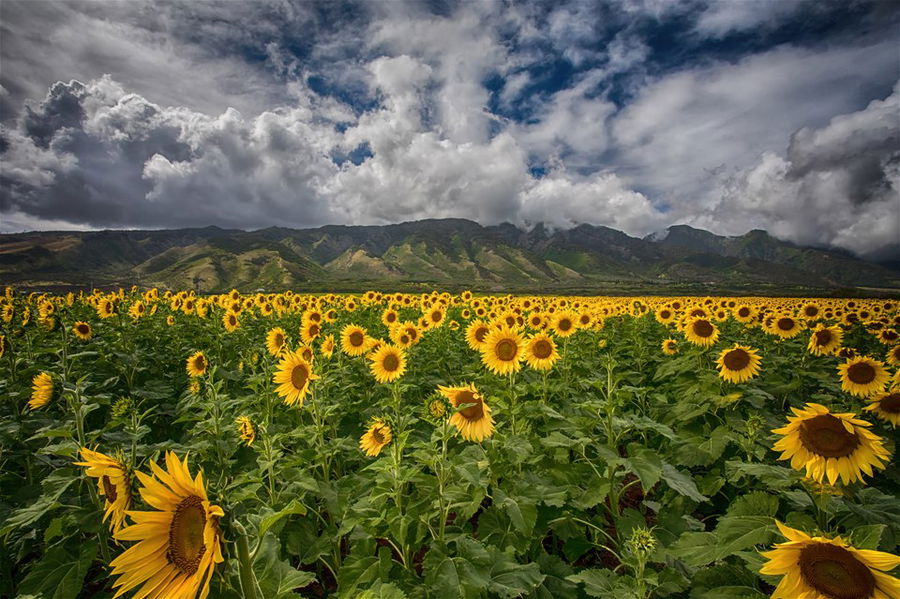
(438,252)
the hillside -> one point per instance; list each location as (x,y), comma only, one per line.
(448,253)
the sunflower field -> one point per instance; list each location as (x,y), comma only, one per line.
(392,445)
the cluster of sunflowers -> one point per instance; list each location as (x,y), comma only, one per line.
(180,542)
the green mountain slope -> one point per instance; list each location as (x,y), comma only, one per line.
(448,253)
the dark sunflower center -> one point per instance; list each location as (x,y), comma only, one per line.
(480,333)
(436,316)
(391,362)
(890,403)
(109,489)
(585,319)
(356,338)
(835,572)
(565,324)
(785,324)
(507,350)
(889,335)
(299,376)
(307,354)
(861,373)
(744,312)
(736,359)
(232,320)
(84,329)
(542,349)
(313,330)
(811,311)
(279,340)
(199,363)
(703,328)
(186,546)
(823,337)
(391,317)
(378,435)
(473,412)
(665,314)
(826,436)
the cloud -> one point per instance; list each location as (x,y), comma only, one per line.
(301,114)
(838,185)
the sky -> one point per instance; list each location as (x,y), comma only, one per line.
(726,115)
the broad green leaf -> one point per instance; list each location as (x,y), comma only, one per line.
(60,573)
(681,483)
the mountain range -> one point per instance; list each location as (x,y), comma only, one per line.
(445,253)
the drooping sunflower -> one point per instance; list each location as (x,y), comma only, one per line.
(178,545)
(830,445)
(388,363)
(231,322)
(503,351)
(738,364)
(669,347)
(476,333)
(540,352)
(473,421)
(823,568)
(293,376)
(354,341)
(376,438)
(276,340)
(113,484)
(41,390)
(82,330)
(197,364)
(863,376)
(702,332)
(327,347)
(825,340)
(887,406)
(246,430)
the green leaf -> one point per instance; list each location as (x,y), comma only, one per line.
(730,592)
(867,537)
(682,483)
(508,578)
(294,507)
(277,578)
(647,465)
(756,503)
(605,584)
(60,573)
(382,590)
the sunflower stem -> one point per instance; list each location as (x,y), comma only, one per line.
(248,578)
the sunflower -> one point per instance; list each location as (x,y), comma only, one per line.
(170,320)
(893,356)
(327,347)
(540,352)
(246,430)
(41,390)
(389,317)
(863,376)
(700,331)
(669,347)
(375,439)
(744,313)
(503,351)
(476,333)
(825,340)
(231,322)
(473,416)
(564,323)
(785,327)
(888,336)
(823,568)
(354,341)
(309,331)
(276,340)
(179,544)
(82,330)
(832,445)
(664,315)
(137,310)
(2,345)
(105,308)
(388,363)
(197,364)
(435,317)
(738,364)
(887,406)
(293,377)
(113,484)
(811,311)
